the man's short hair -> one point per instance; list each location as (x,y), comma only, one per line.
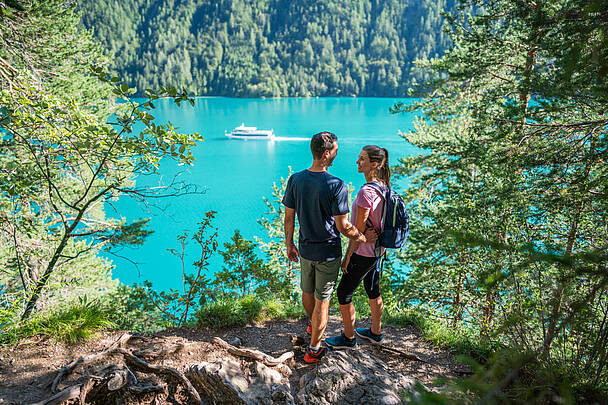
(321,142)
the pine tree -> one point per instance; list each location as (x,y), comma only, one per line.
(508,207)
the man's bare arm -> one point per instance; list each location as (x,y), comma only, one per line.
(349,230)
(290,223)
(362,215)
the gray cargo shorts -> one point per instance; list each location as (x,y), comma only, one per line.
(319,277)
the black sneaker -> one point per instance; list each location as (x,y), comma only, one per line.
(366,333)
(341,341)
(314,357)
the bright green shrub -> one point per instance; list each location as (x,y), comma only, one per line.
(239,312)
(76,322)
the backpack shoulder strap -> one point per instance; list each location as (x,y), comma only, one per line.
(383,194)
(378,188)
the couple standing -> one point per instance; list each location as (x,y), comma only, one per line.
(320,202)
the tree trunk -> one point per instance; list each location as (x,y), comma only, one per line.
(487,317)
(524,95)
(559,294)
(51,266)
(457,306)
(42,281)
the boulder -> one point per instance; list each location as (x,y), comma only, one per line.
(352,377)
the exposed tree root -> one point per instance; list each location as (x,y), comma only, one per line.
(213,387)
(403,354)
(84,389)
(413,357)
(254,354)
(116,380)
(88,359)
(155,353)
(119,374)
(62,396)
(138,363)
(148,388)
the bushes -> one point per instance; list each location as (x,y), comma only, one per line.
(538,380)
(76,322)
(132,309)
(126,309)
(460,341)
(238,312)
(535,382)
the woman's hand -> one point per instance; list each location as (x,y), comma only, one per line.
(344,265)
(371,235)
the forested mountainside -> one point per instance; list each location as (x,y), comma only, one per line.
(253,48)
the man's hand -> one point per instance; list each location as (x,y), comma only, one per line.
(292,253)
(371,235)
(290,221)
(361,238)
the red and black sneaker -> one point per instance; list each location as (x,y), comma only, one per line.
(309,327)
(313,357)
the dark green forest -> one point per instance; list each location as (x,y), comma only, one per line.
(270,48)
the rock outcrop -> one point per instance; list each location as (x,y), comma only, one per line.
(344,377)
(352,377)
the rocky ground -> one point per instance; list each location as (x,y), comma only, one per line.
(260,363)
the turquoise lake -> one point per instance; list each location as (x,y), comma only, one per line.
(236,174)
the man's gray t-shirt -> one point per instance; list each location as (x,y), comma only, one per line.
(317,197)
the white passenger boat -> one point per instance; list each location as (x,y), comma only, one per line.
(243,132)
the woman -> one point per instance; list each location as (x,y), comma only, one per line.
(361,260)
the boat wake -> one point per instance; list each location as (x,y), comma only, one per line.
(288,138)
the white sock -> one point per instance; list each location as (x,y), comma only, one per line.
(314,348)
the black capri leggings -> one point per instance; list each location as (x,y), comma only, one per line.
(359,268)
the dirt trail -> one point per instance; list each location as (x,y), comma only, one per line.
(27,370)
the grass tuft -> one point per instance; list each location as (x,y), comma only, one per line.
(75,323)
(241,311)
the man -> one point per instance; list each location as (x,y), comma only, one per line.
(320,201)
